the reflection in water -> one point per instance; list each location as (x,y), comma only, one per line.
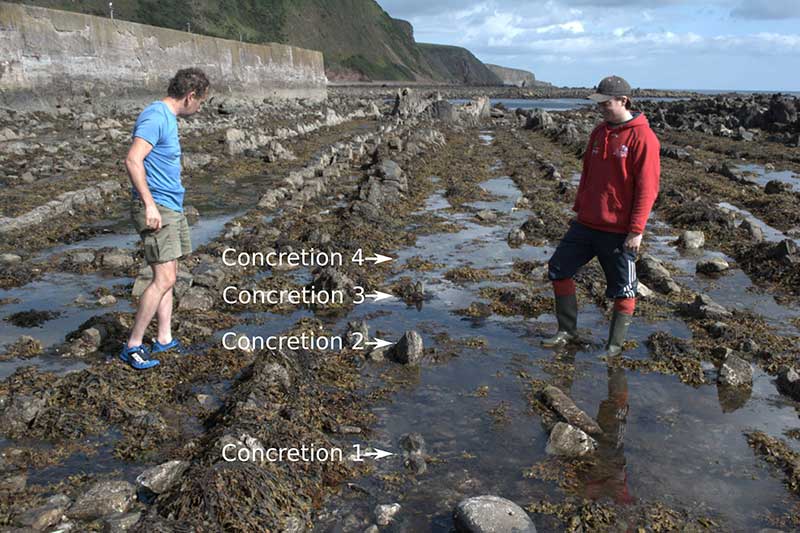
(732,398)
(608,476)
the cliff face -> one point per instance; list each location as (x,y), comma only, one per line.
(358,38)
(513,76)
(459,65)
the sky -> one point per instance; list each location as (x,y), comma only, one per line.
(664,44)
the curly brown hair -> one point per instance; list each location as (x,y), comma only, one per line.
(187,80)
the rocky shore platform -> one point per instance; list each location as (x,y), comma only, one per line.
(463,422)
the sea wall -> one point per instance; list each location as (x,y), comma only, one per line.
(48,52)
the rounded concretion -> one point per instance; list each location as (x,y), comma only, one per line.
(491,514)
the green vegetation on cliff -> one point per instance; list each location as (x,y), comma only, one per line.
(358,38)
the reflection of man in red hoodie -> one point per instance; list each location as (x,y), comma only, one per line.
(608,475)
(618,187)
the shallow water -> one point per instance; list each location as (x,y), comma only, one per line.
(762,176)
(683,446)
(770,233)
(733,288)
(122,235)
(59,291)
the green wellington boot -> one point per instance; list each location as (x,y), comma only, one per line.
(567,316)
(616,333)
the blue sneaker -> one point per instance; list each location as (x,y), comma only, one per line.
(136,357)
(174,344)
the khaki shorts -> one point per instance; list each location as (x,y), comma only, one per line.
(168,243)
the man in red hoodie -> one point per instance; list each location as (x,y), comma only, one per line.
(618,187)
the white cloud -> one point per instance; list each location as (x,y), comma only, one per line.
(577,40)
(573,26)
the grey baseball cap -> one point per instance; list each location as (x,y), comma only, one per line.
(609,88)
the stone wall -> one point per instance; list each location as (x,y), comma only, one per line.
(513,76)
(60,53)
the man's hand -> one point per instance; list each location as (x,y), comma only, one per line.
(632,242)
(152,217)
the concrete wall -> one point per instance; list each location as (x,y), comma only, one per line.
(60,53)
(513,76)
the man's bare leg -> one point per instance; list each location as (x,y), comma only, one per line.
(164,276)
(164,317)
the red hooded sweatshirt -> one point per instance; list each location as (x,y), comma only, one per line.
(619,182)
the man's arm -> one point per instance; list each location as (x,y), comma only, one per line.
(134,163)
(587,155)
(647,175)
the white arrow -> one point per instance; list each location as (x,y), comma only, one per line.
(378,295)
(378,259)
(377,454)
(378,343)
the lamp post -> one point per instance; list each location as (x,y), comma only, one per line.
(111,10)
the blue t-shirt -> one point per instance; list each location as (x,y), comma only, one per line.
(159,126)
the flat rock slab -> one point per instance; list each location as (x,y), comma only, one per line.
(491,514)
(566,408)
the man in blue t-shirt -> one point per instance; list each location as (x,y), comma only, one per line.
(154,167)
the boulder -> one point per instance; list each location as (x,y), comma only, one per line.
(516,237)
(755,231)
(704,307)
(116,259)
(735,372)
(789,382)
(410,103)
(45,515)
(208,275)
(9,259)
(776,187)
(692,240)
(412,443)
(102,499)
(443,111)
(491,514)
(120,522)
(656,274)
(408,350)
(786,252)
(145,276)
(539,119)
(21,411)
(568,441)
(161,478)
(195,160)
(197,299)
(384,514)
(566,408)
(712,266)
